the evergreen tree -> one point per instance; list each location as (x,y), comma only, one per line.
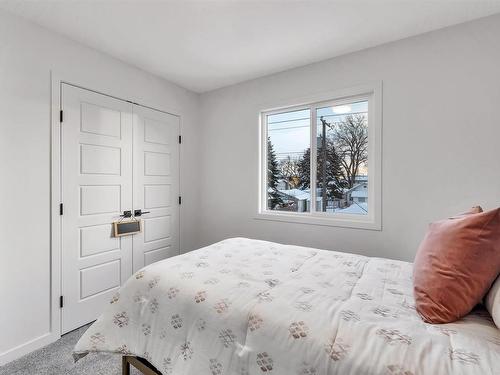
(273,176)
(335,179)
(304,170)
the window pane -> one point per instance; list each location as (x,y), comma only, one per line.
(342,159)
(288,171)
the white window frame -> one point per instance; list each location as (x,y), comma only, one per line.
(373,220)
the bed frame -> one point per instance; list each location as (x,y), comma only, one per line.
(140,364)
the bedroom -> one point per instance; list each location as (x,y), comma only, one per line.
(226,75)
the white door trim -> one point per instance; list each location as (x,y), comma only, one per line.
(55,198)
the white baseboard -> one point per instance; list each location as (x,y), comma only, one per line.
(27,347)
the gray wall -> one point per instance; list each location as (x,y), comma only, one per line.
(27,54)
(441,139)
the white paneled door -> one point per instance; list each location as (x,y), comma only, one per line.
(116,157)
(156,185)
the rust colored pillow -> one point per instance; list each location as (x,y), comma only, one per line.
(473,210)
(456,264)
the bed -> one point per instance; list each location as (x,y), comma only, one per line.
(248,307)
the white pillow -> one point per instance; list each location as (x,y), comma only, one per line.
(492,301)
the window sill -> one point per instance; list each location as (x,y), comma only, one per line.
(346,221)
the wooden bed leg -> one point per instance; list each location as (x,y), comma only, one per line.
(125,366)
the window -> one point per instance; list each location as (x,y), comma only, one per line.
(288,150)
(321,161)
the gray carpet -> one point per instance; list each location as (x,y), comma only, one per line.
(56,359)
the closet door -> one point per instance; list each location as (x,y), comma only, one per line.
(156,185)
(96,187)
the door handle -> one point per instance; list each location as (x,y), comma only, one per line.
(127,214)
(139,212)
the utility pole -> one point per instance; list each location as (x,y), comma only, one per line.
(323,155)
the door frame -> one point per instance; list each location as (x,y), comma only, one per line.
(56,81)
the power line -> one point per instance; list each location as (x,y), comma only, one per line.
(290,120)
(288,127)
(345,114)
(307,126)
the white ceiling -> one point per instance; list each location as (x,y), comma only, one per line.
(204,45)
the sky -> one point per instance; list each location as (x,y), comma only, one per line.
(290,133)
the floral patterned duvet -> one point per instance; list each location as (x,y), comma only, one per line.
(248,307)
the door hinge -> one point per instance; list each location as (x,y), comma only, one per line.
(61,209)
(61,302)
(61,116)
(180,139)
(180,199)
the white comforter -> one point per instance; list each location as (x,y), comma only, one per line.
(246,307)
